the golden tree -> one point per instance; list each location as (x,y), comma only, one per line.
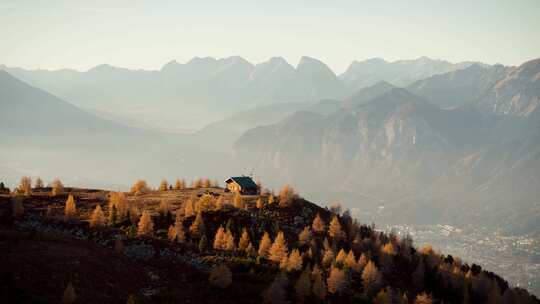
(264,245)
(134,214)
(204,203)
(259,203)
(244,240)
(220,276)
(334,230)
(69,295)
(250,250)
(337,283)
(286,196)
(328,258)
(25,185)
(146,225)
(189,210)
(197,183)
(219,203)
(171,233)
(164,207)
(350,261)
(219,239)
(294,261)
(303,286)
(164,185)
(423,298)
(71,209)
(283,263)
(271,199)
(118,203)
(305,236)
(57,187)
(140,187)
(179,184)
(318,224)
(382,297)
(197,228)
(341,257)
(388,249)
(371,277)
(362,261)
(98,218)
(39,183)
(206,183)
(279,248)
(239,202)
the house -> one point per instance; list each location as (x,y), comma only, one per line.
(242,185)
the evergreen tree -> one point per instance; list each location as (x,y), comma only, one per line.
(371,278)
(244,240)
(350,261)
(328,258)
(98,218)
(230,244)
(286,196)
(294,262)
(197,228)
(334,230)
(318,224)
(264,245)
(279,248)
(337,282)
(146,225)
(219,239)
(70,209)
(341,257)
(304,237)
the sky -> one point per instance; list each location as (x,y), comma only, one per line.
(54,34)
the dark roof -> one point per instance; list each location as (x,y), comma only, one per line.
(244,181)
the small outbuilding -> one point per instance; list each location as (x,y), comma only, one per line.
(242,185)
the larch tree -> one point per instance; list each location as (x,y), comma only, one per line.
(294,262)
(239,202)
(371,278)
(303,286)
(362,262)
(171,233)
(17,208)
(219,239)
(220,276)
(350,261)
(286,196)
(250,251)
(271,199)
(205,203)
(382,297)
(146,225)
(219,203)
(179,184)
(39,183)
(318,224)
(197,228)
(334,230)
(118,201)
(244,240)
(279,248)
(70,209)
(328,258)
(276,292)
(69,296)
(140,187)
(283,263)
(423,298)
(134,215)
(189,210)
(206,183)
(98,218)
(164,185)
(341,257)
(335,208)
(305,236)
(264,245)
(259,203)
(337,282)
(57,187)
(25,185)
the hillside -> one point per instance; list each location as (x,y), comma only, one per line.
(317,255)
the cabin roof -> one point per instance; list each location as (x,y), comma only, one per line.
(244,181)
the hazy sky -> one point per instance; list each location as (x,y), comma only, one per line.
(147,34)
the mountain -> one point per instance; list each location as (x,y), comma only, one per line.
(400,73)
(28,111)
(402,152)
(517,93)
(188,95)
(459,87)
